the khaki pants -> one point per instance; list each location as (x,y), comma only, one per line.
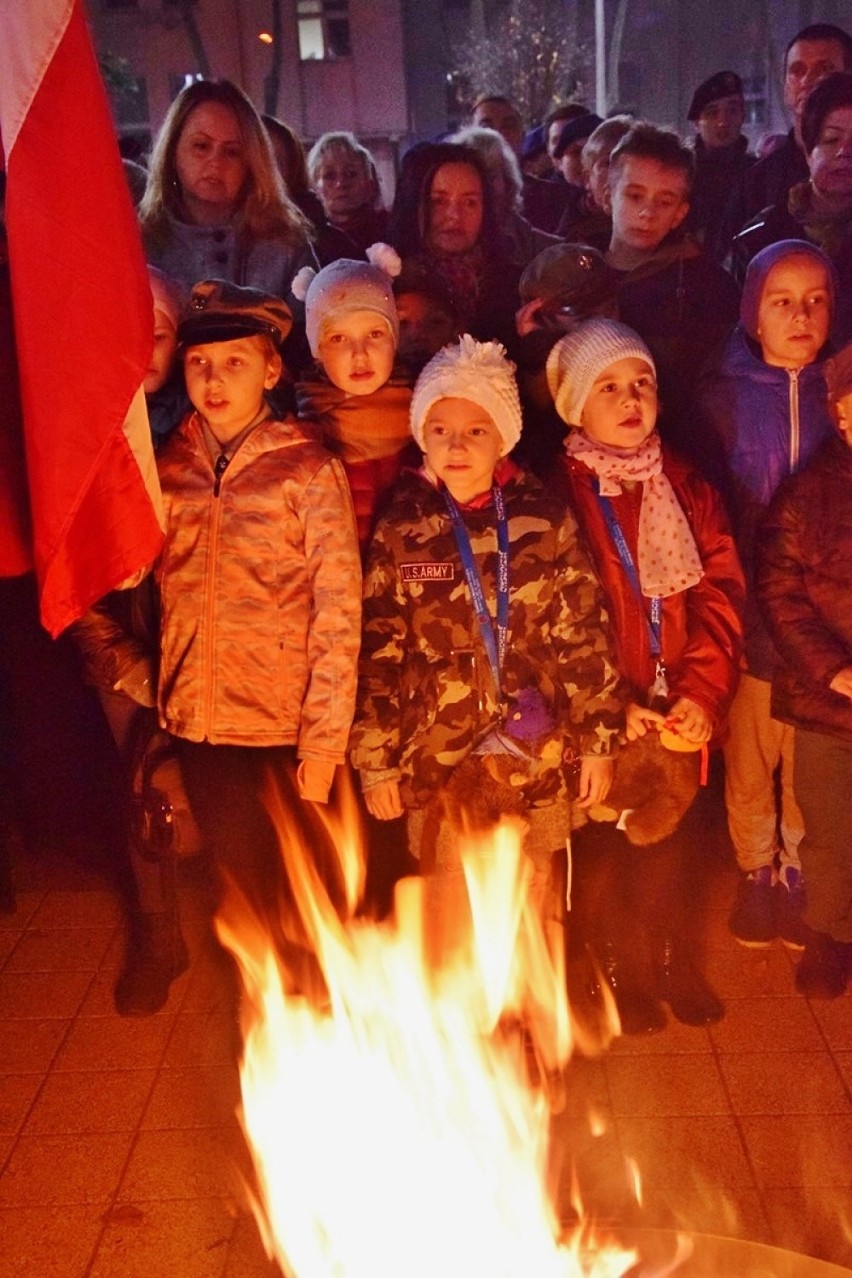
(758,745)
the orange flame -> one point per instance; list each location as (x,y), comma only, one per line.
(395,1126)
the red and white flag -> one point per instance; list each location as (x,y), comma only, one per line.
(83,314)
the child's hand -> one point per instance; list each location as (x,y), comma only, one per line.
(638,720)
(595,779)
(139,683)
(383,801)
(314,779)
(690,721)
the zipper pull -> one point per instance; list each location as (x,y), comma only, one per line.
(219,468)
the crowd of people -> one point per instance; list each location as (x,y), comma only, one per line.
(481,496)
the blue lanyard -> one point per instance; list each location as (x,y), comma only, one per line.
(493,636)
(617,534)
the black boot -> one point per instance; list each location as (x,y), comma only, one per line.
(638,1011)
(680,984)
(156,956)
(824,968)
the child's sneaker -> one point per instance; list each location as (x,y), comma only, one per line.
(790,908)
(752,920)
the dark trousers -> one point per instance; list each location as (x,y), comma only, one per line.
(822,776)
(229,789)
(630,896)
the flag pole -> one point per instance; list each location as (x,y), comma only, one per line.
(600,58)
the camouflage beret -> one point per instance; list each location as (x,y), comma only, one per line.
(218,311)
(724,84)
(570,275)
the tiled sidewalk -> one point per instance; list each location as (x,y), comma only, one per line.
(121,1156)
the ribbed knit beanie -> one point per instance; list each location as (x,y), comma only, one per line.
(579,358)
(478,371)
(760,266)
(347,285)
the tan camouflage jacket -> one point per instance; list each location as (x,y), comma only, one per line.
(260,590)
(426,695)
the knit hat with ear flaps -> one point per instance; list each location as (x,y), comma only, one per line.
(478,371)
(579,358)
(348,285)
(760,266)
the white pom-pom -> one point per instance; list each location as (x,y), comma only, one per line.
(386,258)
(301,283)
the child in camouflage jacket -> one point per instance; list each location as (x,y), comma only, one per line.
(484,635)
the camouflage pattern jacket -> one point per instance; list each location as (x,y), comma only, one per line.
(426,693)
(260,590)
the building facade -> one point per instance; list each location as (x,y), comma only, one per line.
(317,64)
(385,68)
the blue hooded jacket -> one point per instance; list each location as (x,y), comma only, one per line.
(768,422)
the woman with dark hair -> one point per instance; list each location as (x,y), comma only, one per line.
(444,217)
(215,205)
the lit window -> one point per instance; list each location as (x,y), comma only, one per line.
(177,82)
(323,29)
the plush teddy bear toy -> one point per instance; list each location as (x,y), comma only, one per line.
(653,786)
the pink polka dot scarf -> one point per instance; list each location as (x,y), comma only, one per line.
(668,556)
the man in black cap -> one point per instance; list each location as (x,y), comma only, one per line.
(721,154)
(568,149)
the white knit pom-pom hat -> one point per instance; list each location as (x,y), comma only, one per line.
(579,358)
(478,371)
(347,285)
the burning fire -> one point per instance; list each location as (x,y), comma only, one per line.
(399,1120)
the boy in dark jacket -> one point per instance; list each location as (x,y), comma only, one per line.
(680,301)
(805,589)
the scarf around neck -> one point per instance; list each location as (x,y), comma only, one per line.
(358,428)
(828,230)
(668,558)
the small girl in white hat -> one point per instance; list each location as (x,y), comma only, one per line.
(660,541)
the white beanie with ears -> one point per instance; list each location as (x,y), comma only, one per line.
(478,371)
(578,359)
(349,285)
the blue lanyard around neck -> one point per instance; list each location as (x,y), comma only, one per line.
(494,636)
(617,534)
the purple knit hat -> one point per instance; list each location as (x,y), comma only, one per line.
(760,266)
